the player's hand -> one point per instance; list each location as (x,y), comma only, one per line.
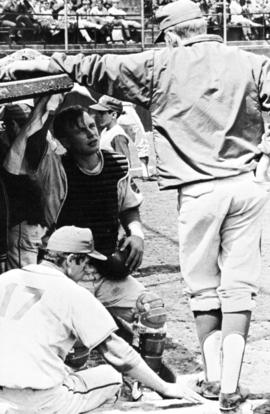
(135,245)
(178,390)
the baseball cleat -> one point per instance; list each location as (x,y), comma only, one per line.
(229,403)
(208,389)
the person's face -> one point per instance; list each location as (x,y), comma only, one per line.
(90,272)
(84,138)
(104,118)
(76,270)
(115,3)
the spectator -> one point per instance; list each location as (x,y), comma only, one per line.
(56,6)
(122,26)
(84,20)
(6,21)
(46,20)
(100,14)
(237,17)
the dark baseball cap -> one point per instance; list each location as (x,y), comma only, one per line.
(107,103)
(174,13)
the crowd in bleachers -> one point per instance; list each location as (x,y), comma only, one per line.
(87,20)
(251,16)
(117,21)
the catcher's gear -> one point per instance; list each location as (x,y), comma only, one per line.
(150,325)
(151,347)
(78,357)
(151,310)
(114,268)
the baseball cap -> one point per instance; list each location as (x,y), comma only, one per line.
(19,112)
(107,103)
(177,12)
(71,239)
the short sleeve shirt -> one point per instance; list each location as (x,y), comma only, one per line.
(42,314)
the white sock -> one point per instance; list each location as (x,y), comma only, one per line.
(232,352)
(212,356)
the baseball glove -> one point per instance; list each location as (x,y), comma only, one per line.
(114,268)
(78,357)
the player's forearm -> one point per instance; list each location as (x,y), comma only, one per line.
(118,353)
(131,221)
(125,359)
(144,374)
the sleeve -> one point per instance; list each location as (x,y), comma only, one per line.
(120,144)
(91,321)
(30,145)
(126,77)
(119,353)
(127,198)
(262,78)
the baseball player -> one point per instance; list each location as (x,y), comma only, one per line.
(133,126)
(112,136)
(206,100)
(25,220)
(42,313)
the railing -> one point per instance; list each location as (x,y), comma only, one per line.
(134,29)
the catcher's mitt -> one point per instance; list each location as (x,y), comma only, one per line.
(78,357)
(114,268)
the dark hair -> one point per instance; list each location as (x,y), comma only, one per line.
(67,119)
(15,112)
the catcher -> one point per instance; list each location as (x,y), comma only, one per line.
(43,313)
(89,187)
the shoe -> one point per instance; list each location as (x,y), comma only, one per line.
(208,389)
(230,402)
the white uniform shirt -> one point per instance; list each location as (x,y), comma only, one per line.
(107,135)
(42,313)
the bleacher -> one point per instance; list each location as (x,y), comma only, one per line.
(76,43)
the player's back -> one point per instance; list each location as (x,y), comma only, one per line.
(206,111)
(35,326)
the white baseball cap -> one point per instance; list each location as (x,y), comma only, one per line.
(71,239)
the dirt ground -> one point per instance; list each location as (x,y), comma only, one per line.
(161,272)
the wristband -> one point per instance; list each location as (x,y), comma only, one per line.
(136,229)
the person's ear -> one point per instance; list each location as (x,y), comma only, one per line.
(172,39)
(70,259)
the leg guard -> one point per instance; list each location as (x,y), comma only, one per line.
(235,327)
(150,325)
(208,325)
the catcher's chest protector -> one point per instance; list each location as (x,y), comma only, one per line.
(92,200)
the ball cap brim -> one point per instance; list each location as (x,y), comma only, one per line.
(174,13)
(71,239)
(108,103)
